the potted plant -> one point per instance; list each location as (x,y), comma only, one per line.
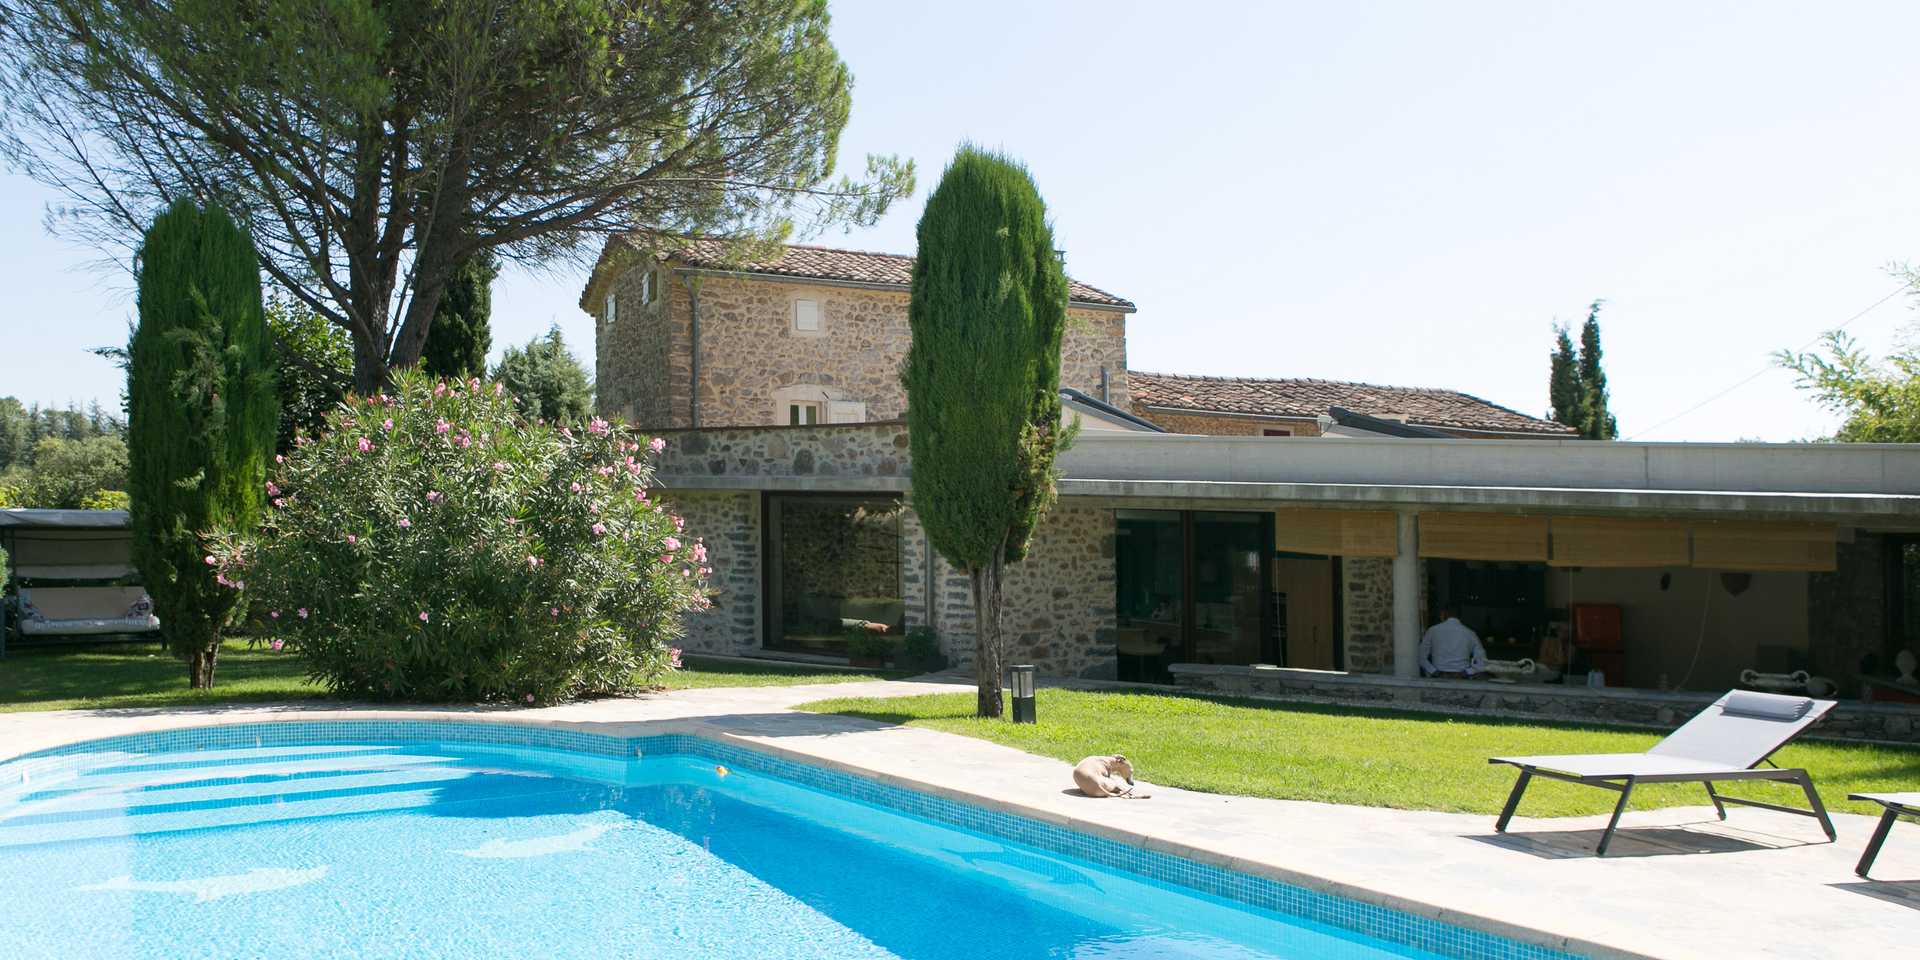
(867,647)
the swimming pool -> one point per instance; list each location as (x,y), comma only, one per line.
(443,839)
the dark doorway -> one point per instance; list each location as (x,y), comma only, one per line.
(1192,587)
(833,567)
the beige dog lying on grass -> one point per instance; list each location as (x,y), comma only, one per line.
(1106,777)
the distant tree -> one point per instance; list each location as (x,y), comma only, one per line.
(546,381)
(16,441)
(1563,380)
(982,375)
(1880,400)
(460,337)
(371,146)
(66,473)
(314,370)
(1596,421)
(203,412)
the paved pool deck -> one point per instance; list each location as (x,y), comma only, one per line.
(1678,884)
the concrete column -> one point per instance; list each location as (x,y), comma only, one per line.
(1406,599)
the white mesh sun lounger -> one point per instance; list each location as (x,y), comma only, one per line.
(1726,741)
(1897,805)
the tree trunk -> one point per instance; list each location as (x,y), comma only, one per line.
(200,667)
(988,645)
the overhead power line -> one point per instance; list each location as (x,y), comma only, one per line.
(1769,368)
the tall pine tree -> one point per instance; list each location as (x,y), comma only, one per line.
(1596,422)
(202,412)
(982,374)
(1563,382)
(460,336)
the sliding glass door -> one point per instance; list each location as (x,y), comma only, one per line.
(1193,587)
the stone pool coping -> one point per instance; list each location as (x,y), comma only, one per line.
(1768,891)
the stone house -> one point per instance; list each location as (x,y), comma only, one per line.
(1230,563)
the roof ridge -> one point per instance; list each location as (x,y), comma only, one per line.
(1321,380)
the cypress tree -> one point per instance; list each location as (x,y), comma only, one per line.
(459,336)
(202,411)
(1596,423)
(1563,383)
(982,375)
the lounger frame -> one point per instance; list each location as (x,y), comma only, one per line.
(1624,784)
(1895,809)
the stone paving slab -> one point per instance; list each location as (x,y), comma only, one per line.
(1679,884)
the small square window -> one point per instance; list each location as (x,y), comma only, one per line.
(806,316)
(612,305)
(802,414)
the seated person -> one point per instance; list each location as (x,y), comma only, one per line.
(1451,650)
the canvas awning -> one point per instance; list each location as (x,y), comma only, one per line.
(1484,536)
(1618,542)
(1728,545)
(1336,533)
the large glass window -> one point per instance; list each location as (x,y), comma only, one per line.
(1192,588)
(833,567)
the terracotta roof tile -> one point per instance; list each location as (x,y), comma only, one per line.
(855,266)
(1311,398)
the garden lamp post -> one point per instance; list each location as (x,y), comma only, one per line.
(1022,687)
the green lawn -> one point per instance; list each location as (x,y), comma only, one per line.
(84,677)
(1356,756)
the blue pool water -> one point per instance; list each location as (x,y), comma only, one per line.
(447,849)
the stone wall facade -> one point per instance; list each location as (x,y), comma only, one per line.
(1880,722)
(1059,611)
(1847,612)
(1211,425)
(730,525)
(1366,613)
(752,361)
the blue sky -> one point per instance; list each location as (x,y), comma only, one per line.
(1394,193)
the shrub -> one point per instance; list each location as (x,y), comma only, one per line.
(66,472)
(438,545)
(105,500)
(922,651)
(862,642)
(546,380)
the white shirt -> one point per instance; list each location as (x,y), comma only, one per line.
(1451,647)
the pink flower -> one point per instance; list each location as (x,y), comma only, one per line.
(272,491)
(275,644)
(465,440)
(699,552)
(433,496)
(599,529)
(499,388)
(499,465)
(210,560)
(639,494)
(280,501)
(275,614)
(366,446)
(441,425)
(386,424)
(554,610)
(302,612)
(423,616)
(672,543)
(597,427)
(532,561)
(673,657)
(657,444)
(566,433)
(529,698)
(281,457)
(473,383)
(574,486)
(679,523)
(351,539)
(440,388)
(404,523)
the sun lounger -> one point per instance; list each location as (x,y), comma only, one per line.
(1725,742)
(1897,805)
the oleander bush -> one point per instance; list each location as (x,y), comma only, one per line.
(435,544)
